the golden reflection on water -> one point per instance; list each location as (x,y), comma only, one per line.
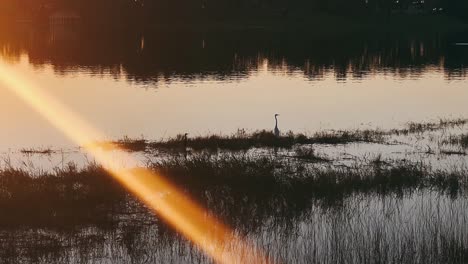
(156,110)
(165,199)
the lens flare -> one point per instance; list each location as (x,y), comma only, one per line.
(164,199)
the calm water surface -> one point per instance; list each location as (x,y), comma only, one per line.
(157,85)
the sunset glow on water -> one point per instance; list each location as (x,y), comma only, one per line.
(243,132)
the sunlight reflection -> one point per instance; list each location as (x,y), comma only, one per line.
(193,221)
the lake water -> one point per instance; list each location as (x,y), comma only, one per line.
(402,199)
(161,84)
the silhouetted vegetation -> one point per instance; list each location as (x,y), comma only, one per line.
(85,210)
(461,140)
(308,154)
(126,143)
(127,12)
(243,140)
(65,198)
(40,151)
(414,127)
(69,197)
(280,193)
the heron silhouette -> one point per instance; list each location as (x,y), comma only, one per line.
(185,144)
(276,130)
(185,140)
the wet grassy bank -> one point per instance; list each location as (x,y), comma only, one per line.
(226,183)
(285,194)
(243,140)
(46,217)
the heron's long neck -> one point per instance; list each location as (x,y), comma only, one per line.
(276,119)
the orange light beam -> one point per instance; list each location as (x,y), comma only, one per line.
(162,197)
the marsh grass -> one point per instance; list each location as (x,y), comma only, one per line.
(421,127)
(70,196)
(308,154)
(39,151)
(130,144)
(49,216)
(66,197)
(238,141)
(248,193)
(453,152)
(464,140)
(242,140)
(126,144)
(458,140)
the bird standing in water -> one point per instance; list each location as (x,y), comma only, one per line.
(185,144)
(185,140)
(276,130)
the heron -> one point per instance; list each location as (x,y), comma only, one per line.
(185,144)
(185,140)
(276,130)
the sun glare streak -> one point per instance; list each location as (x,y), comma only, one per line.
(167,201)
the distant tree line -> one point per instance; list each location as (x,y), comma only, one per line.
(180,11)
